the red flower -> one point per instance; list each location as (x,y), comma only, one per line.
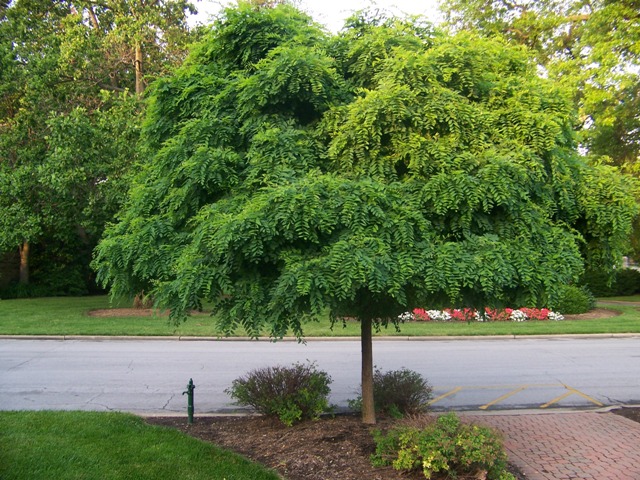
(421,314)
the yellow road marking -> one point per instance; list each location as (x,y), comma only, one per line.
(571,391)
(451,392)
(503,397)
(557,399)
(587,397)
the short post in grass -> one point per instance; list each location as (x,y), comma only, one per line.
(189,392)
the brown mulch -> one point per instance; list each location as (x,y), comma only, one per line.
(593,314)
(632,413)
(336,447)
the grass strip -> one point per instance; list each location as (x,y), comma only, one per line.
(110,446)
(69,316)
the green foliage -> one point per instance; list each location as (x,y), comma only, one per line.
(574,299)
(69,127)
(627,281)
(445,446)
(589,47)
(398,392)
(292,394)
(599,283)
(621,282)
(452,178)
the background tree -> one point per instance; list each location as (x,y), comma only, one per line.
(590,46)
(365,174)
(65,144)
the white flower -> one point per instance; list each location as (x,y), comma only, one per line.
(518,316)
(555,316)
(406,317)
(438,315)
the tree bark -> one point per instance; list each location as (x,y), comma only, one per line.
(138,62)
(368,406)
(24,263)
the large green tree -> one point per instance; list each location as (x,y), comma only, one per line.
(65,141)
(368,173)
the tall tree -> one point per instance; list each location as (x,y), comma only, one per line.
(369,173)
(57,60)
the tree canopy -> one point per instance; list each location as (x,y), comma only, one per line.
(391,166)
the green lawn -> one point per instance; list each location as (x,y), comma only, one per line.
(105,446)
(630,298)
(68,316)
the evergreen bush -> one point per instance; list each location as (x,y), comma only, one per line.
(398,392)
(574,300)
(292,394)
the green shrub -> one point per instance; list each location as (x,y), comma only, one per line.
(446,445)
(398,392)
(292,394)
(599,283)
(627,282)
(575,300)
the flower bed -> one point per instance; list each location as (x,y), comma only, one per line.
(489,315)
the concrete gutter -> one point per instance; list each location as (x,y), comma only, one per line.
(104,338)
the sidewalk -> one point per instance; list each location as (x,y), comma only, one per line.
(569,445)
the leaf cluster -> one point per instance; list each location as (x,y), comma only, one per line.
(447,445)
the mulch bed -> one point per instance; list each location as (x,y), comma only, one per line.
(632,413)
(330,448)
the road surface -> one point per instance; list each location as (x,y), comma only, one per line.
(150,376)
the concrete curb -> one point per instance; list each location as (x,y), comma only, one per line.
(104,338)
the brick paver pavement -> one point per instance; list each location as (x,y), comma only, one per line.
(559,446)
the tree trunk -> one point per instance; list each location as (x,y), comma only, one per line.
(139,80)
(368,407)
(94,19)
(24,263)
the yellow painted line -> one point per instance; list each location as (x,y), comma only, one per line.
(557,399)
(451,392)
(586,397)
(571,391)
(503,397)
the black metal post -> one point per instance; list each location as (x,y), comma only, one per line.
(189,392)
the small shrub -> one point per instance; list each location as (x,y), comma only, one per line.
(143,301)
(575,300)
(292,394)
(398,392)
(447,446)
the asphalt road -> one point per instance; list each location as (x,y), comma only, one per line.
(150,376)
